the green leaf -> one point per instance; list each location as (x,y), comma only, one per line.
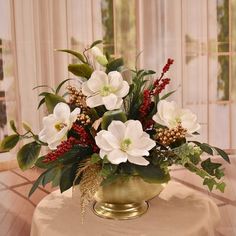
(167,95)
(60,85)
(68,176)
(52,100)
(109,116)
(28,155)
(74,53)
(95,158)
(42,101)
(210,167)
(223,154)
(13,126)
(82,70)
(204,147)
(152,174)
(26,126)
(38,182)
(9,142)
(57,177)
(209,182)
(108,169)
(50,175)
(110,179)
(95,43)
(44,86)
(221,187)
(40,164)
(114,65)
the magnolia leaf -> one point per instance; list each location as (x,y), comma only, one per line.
(82,70)
(95,43)
(109,116)
(41,164)
(204,147)
(9,142)
(110,179)
(74,53)
(223,154)
(167,95)
(52,100)
(49,176)
(42,101)
(57,177)
(28,154)
(152,174)
(13,126)
(26,126)
(38,182)
(114,65)
(68,176)
(60,85)
(44,86)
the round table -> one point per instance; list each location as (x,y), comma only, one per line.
(178,211)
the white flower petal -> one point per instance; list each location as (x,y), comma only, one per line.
(103,142)
(137,152)
(158,119)
(97,80)
(138,160)
(124,90)
(73,116)
(62,111)
(134,129)
(117,128)
(110,101)
(103,153)
(117,156)
(115,79)
(94,101)
(85,89)
(145,143)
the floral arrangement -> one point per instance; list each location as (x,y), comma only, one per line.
(115,123)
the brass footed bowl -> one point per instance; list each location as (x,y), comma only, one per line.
(125,199)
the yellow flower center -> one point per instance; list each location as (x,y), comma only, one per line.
(60,126)
(125,144)
(107,90)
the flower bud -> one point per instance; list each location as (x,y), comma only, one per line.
(99,56)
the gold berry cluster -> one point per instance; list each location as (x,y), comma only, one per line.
(76,97)
(167,136)
(84,119)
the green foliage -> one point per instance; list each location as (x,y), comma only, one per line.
(51,100)
(9,142)
(167,95)
(74,53)
(114,65)
(95,43)
(82,70)
(26,127)
(95,158)
(109,116)
(153,174)
(13,126)
(60,85)
(28,155)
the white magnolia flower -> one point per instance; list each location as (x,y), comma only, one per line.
(56,125)
(103,89)
(99,56)
(125,141)
(168,114)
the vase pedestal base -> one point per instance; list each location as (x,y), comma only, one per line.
(120,211)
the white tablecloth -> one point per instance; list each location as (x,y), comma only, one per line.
(178,211)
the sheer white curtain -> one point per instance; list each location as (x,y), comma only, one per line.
(186,31)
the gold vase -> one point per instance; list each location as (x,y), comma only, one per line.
(125,199)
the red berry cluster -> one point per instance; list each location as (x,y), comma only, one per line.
(85,139)
(167,65)
(159,86)
(62,148)
(145,106)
